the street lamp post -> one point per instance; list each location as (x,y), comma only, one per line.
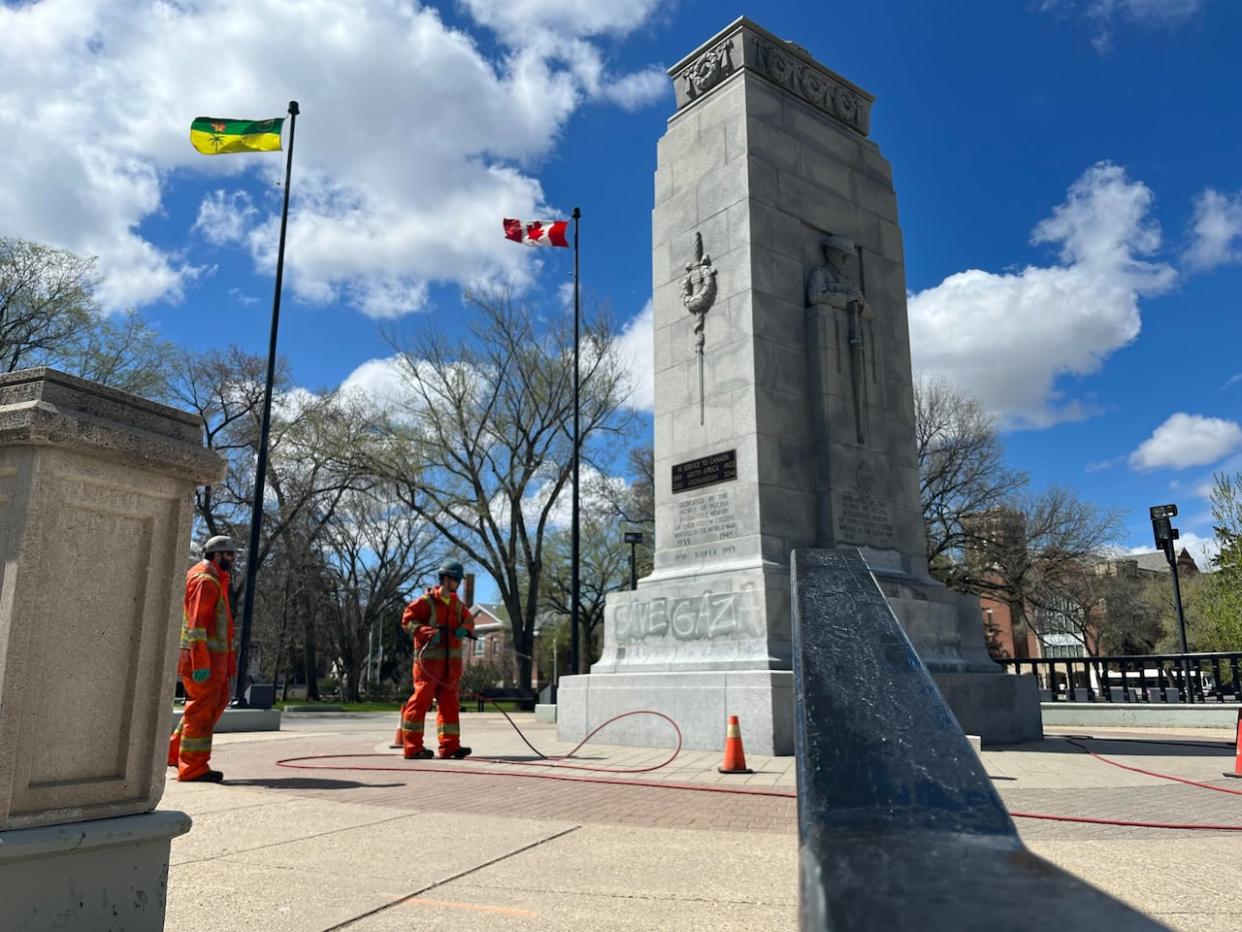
(1165,534)
(633,538)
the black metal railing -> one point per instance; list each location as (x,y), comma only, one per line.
(1196,677)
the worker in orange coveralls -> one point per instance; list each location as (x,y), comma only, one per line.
(206,663)
(439,623)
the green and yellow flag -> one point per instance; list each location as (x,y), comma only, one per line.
(216,136)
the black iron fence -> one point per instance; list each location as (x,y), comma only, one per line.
(1201,677)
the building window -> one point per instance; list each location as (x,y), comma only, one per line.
(478,648)
(1063,650)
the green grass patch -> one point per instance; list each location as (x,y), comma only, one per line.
(467,705)
(346,706)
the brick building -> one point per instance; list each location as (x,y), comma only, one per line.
(1057,636)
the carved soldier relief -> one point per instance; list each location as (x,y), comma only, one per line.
(831,286)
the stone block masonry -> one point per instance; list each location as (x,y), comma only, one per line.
(783,400)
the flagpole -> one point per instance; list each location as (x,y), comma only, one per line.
(574,536)
(256,510)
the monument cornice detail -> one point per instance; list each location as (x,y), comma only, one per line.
(814,85)
(744,45)
(708,70)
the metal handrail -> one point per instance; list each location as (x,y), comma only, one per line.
(1135,683)
(899,825)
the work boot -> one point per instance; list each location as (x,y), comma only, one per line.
(209,776)
(421,754)
(458,754)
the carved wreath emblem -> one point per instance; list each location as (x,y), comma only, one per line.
(698,287)
(709,69)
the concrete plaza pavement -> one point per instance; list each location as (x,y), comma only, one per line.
(456,845)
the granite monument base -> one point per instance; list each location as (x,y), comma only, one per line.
(700,702)
(998,707)
(946,629)
(88,876)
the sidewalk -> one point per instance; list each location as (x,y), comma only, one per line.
(450,845)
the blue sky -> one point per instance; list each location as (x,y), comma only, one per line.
(1067,172)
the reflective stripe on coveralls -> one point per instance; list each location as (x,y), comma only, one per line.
(438,672)
(206,644)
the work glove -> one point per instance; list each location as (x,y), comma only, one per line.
(461,632)
(200,676)
(434,639)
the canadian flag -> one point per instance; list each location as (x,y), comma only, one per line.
(537,232)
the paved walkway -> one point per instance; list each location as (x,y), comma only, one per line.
(463,845)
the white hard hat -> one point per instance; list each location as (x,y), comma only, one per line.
(219,544)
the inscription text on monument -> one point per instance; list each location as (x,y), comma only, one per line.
(707,470)
(865,519)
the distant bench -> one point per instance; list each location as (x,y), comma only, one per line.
(525,701)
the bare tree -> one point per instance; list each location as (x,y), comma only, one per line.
(46,302)
(1028,553)
(121,352)
(373,553)
(316,447)
(317,454)
(224,388)
(961,467)
(603,567)
(483,449)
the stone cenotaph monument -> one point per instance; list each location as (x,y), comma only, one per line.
(96,491)
(784,412)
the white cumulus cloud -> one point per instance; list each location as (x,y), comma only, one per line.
(414,138)
(636,347)
(1011,338)
(571,17)
(1217,230)
(1186,440)
(381,382)
(224,217)
(1106,15)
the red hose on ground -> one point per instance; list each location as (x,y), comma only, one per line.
(1156,774)
(557,763)
(292,762)
(296,763)
(1203,827)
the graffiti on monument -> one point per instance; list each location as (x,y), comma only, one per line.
(706,617)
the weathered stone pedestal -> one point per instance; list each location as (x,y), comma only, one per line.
(784,410)
(95,507)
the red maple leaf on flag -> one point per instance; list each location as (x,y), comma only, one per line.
(534,231)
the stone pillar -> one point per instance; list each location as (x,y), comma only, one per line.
(95,507)
(784,409)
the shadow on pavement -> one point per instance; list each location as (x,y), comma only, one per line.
(526,758)
(1119,746)
(309,783)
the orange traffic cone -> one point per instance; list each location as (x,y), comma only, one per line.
(735,757)
(1237,764)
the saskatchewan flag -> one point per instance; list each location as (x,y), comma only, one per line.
(216,136)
